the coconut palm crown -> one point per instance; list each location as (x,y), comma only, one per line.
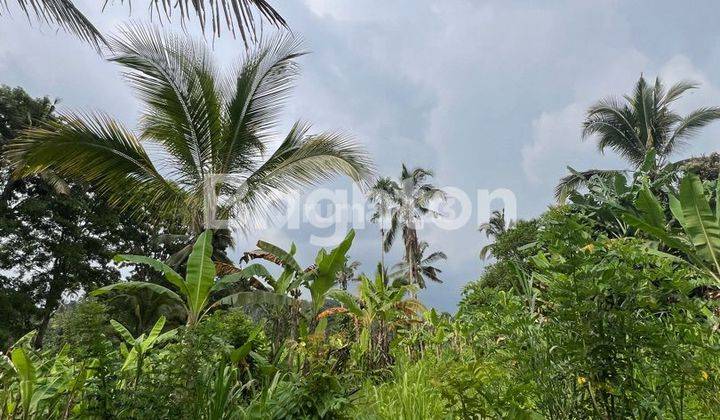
(638,124)
(209,133)
(412,198)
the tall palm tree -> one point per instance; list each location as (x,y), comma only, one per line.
(422,265)
(494,227)
(411,203)
(199,124)
(637,124)
(238,16)
(382,194)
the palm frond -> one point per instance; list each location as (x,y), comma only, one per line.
(175,78)
(101,152)
(64,14)
(575,180)
(301,160)
(690,125)
(258,95)
(392,231)
(677,90)
(235,16)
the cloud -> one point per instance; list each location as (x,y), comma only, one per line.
(488,94)
(556,134)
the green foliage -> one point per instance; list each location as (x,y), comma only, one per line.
(412,393)
(195,289)
(58,238)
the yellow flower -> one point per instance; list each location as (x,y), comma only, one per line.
(581,380)
(588,247)
(705,375)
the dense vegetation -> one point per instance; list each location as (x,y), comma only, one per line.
(605,306)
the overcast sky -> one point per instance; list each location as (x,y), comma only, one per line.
(488,94)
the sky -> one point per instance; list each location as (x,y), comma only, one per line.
(487,94)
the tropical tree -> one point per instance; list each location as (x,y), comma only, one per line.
(493,228)
(211,133)
(39,217)
(382,194)
(318,278)
(410,204)
(194,290)
(638,123)
(238,15)
(422,265)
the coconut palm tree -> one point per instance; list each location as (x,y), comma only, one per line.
(237,15)
(209,134)
(637,124)
(422,265)
(382,194)
(410,204)
(494,227)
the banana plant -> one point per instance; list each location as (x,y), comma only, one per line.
(318,278)
(194,290)
(698,238)
(41,386)
(377,310)
(327,266)
(140,346)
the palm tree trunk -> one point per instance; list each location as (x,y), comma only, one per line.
(382,253)
(410,237)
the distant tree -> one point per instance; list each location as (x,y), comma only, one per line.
(493,228)
(637,124)
(53,244)
(422,265)
(411,201)
(382,194)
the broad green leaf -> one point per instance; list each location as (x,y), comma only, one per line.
(23,365)
(130,360)
(620,184)
(650,207)
(347,300)
(252,270)
(700,223)
(171,275)
(123,332)
(676,209)
(254,297)
(240,353)
(321,326)
(328,265)
(284,258)
(659,233)
(200,277)
(26,372)
(134,285)
(154,333)
(649,162)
